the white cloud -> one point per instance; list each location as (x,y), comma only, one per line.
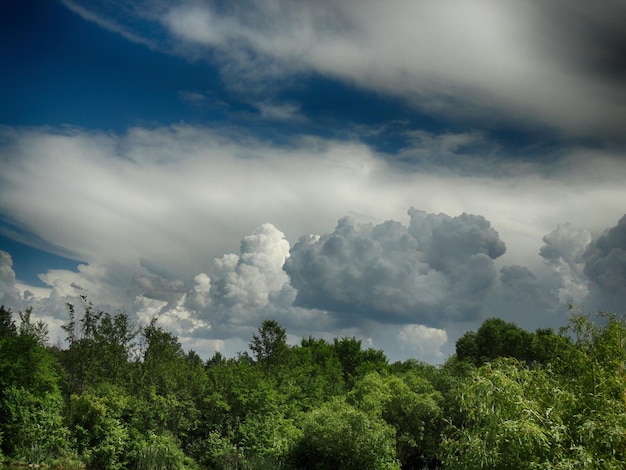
(149,212)
(422,341)
(478,57)
(9,294)
(436,270)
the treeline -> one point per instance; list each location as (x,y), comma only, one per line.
(122,396)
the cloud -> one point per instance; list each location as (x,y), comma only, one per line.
(563,251)
(161,201)
(243,290)
(436,270)
(150,211)
(605,260)
(107,14)
(421,341)
(251,278)
(545,63)
(549,63)
(9,294)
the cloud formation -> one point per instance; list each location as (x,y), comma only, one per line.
(563,250)
(555,63)
(605,260)
(151,214)
(500,120)
(436,270)
(9,294)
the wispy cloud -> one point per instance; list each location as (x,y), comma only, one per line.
(547,63)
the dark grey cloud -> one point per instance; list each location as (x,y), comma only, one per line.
(520,286)
(438,269)
(605,260)
(590,37)
(565,245)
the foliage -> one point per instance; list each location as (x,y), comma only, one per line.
(100,347)
(160,452)
(31,406)
(357,362)
(339,436)
(410,405)
(101,435)
(496,338)
(121,396)
(571,415)
(34,430)
(217,452)
(270,345)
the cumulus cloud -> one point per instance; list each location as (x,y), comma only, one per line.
(148,213)
(9,293)
(563,250)
(243,290)
(421,341)
(605,260)
(436,270)
(251,278)
(123,195)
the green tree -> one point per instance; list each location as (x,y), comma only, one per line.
(172,385)
(569,414)
(31,405)
(314,374)
(411,406)
(100,347)
(33,428)
(496,338)
(102,435)
(337,436)
(270,345)
(7,325)
(357,362)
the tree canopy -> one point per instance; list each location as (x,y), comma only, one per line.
(120,395)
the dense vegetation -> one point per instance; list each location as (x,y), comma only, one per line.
(121,396)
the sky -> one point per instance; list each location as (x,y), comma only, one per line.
(394,171)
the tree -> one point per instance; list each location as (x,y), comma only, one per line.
(172,384)
(357,362)
(31,406)
(102,435)
(568,414)
(100,346)
(7,325)
(270,345)
(410,405)
(337,436)
(496,338)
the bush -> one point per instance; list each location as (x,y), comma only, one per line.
(217,452)
(339,436)
(34,427)
(160,452)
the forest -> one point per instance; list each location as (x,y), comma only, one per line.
(118,395)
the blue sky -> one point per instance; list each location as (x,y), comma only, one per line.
(398,173)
